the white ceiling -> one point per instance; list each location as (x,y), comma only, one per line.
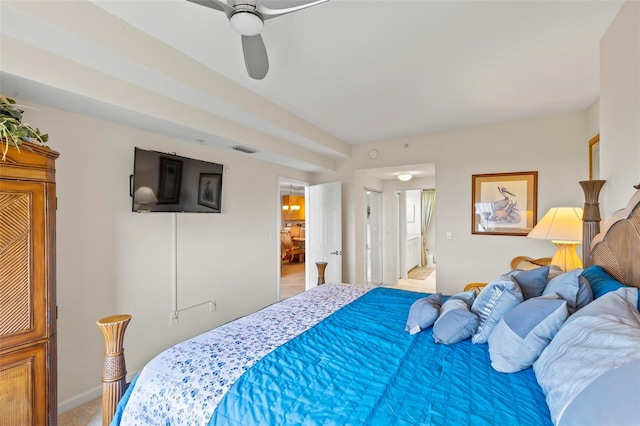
(353,70)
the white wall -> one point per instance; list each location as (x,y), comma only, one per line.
(110,260)
(620,108)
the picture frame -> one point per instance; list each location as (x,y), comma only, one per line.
(170,181)
(594,157)
(504,203)
(210,190)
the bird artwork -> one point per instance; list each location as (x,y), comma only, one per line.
(503,210)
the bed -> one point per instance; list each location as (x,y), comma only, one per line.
(340,354)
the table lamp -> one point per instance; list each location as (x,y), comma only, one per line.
(563,226)
(143,197)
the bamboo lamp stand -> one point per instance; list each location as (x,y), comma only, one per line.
(114,374)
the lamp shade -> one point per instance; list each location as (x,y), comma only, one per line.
(563,226)
(405,177)
(559,224)
(144,195)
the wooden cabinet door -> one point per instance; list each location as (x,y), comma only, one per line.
(24,297)
(23,388)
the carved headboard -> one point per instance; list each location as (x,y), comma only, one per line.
(617,247)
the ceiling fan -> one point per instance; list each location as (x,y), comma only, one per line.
(247,18)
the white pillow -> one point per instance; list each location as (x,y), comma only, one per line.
(602,336)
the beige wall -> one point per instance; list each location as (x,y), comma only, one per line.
(620,108)
(554,146)
(110,260)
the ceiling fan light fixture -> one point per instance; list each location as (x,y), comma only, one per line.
(405,177)
(246,23)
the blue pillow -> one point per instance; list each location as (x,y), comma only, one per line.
(601,283)
(523,333)
(456,323)
(532,282)
(493,302)
(568,286)
(423,313)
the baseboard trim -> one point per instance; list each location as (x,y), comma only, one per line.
(85,397)
(79,400)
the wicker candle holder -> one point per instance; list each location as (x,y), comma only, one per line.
(114,374)
(321,267)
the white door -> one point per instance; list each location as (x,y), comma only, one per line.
(373,238)
(324,232)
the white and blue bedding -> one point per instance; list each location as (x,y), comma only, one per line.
(357,366)
(184,384)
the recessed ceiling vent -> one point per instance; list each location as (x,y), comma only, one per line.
(244,149)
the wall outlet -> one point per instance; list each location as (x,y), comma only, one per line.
(212,305)
(449,235)
(173,318)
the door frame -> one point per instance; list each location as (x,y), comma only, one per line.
(282,180)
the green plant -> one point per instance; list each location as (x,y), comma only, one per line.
(13,132)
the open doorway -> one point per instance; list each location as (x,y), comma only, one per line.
(416,240)
(292,234)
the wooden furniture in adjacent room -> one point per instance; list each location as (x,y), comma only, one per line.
(287,250)
(28,287)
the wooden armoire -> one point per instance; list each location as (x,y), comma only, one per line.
(28,377)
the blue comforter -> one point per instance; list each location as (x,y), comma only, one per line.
(359,367)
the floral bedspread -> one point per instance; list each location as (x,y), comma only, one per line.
(185,383)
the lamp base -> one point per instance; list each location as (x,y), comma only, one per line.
(566,256)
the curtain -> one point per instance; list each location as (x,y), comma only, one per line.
(427,201)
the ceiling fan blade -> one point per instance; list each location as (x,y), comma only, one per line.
(215,4)
(268,13)
(255,56)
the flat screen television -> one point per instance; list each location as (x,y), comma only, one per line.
(170,183)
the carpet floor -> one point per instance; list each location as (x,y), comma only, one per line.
(89,414)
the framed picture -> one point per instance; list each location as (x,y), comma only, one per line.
(170,180)
(210,190)
(594,158)
(504,203)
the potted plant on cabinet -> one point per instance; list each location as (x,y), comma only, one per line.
(13,132)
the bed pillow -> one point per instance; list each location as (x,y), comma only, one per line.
(532,281)
(602,336)
(423,313)
(554,271)
(497,298)
(600,281)
(614,390)
(523,333)
(456,322)
(569,287)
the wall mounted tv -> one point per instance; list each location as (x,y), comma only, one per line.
(170,183)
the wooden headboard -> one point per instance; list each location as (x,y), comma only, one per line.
(617,247)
